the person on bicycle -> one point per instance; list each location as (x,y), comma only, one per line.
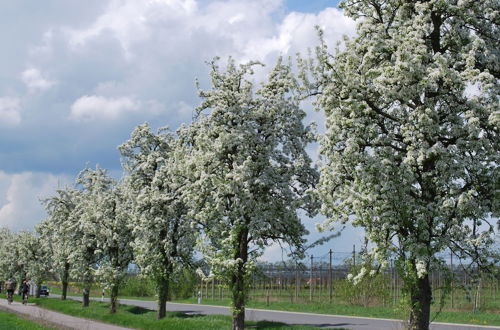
(25,289)
(10,286)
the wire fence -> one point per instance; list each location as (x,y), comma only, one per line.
(323,279)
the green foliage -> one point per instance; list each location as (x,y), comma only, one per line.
(136,286)
(183,284)
(368,291)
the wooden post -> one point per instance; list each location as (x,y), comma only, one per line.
(271,279)
(330,279)
(213,288)
(311,280)
(394,283)
(296,282)
(320,270)
(354,255)
(201,288)
(452,280)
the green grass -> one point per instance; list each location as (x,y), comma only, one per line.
(141,318)
(11,321)
(466,317)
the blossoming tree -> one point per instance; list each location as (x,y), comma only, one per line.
(9,256)
(113,237)
(33,256)
(163,236)
(411,151)
(85,253)
(251,171)
(57,232)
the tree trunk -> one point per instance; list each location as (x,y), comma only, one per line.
(86,294)
(38,288)
(114,298)
(420,298)
(238,285)
(65,278)
(163,293)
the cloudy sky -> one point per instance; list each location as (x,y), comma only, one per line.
(77,76)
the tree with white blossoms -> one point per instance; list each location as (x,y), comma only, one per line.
(57,232)
(251,171)
(113,236)
(8,255)
(163,237)
(411,149)
(33,258)
(22,256)
(85,253)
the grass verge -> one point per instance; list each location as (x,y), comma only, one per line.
(141,318)
(480,318)
(10,321)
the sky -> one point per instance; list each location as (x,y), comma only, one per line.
(77,76)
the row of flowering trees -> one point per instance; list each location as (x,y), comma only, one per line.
(410,153)
(231,183)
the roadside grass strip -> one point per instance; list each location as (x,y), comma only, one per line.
(462,317)
(12,321)
(142,318)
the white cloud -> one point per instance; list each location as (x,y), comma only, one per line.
(244,29)
(20,194)
(297,32)
(10,111)
(34,80)
(275,252)
(93,107)
(131,21)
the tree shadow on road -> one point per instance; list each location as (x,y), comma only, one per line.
(277,325)
(137,310)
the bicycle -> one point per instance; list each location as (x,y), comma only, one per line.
(25,298)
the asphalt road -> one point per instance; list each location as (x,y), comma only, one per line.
(320,320)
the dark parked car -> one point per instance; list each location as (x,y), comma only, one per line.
(44,290)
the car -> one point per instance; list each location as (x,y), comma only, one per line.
(44,290)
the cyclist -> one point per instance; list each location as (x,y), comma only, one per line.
(25,289)
(10,285)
